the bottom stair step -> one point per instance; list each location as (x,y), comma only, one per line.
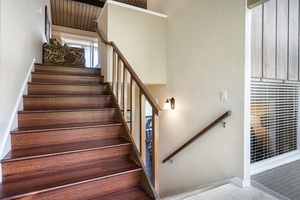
(133,193)
(89,180)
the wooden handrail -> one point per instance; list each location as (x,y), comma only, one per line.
(210,126)
(101,36)
(137,80)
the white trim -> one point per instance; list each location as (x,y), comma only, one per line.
(130,7)
(273,162)
(247,83)
(136,8)
(9,127)
(239,182)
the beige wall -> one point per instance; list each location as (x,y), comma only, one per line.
(103,49)
(141,37)
(22,36)
(207,51)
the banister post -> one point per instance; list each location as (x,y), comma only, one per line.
(155,151)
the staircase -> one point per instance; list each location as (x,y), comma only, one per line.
(70,143)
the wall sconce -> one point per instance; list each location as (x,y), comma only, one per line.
(170,104)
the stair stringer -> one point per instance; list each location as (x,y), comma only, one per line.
(134,154)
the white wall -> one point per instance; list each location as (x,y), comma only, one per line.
(22,36)
(103,49)
(206,52)
(141,37)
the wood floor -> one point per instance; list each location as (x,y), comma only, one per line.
(69,143)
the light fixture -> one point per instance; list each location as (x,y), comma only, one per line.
(170,104)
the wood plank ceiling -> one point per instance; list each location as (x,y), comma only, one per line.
(81,16)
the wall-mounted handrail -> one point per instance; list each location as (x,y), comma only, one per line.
(122,72)
(210,126)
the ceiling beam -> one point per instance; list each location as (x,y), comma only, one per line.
(91,2)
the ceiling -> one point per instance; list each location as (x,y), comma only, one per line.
(80,14)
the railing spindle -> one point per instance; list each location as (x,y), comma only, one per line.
(114,78)
(125,93)
(142,127)
(132,108)
(119,81)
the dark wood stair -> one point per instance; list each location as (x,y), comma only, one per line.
(70,143)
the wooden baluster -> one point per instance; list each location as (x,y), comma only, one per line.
(114,75)
(142,127)
(119,71)
(125,93)
(132,107)
(155,151)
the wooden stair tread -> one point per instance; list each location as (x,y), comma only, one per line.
(66,78)
(66,67)
(87,172)
(72,84)
(67,96)
(60,74)
(66,102)
(130,193)
(53,150)
(56,111)
(20,130)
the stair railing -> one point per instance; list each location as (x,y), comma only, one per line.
(123,79)
(210,126)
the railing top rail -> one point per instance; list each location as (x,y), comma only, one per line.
(103,40)
(157,110)
(210,126)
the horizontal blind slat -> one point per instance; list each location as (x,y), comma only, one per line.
(274,118)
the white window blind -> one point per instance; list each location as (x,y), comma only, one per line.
(274,118)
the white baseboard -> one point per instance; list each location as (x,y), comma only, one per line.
(238,182)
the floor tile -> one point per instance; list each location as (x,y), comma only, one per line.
(240,193)
(265,197)
(193,198)
(215,194)
(225,192)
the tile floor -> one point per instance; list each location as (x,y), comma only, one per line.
(225,192)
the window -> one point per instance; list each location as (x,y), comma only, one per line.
(90,53)
(90,49)
(274,118)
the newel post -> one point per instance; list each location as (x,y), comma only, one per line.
(155,153)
